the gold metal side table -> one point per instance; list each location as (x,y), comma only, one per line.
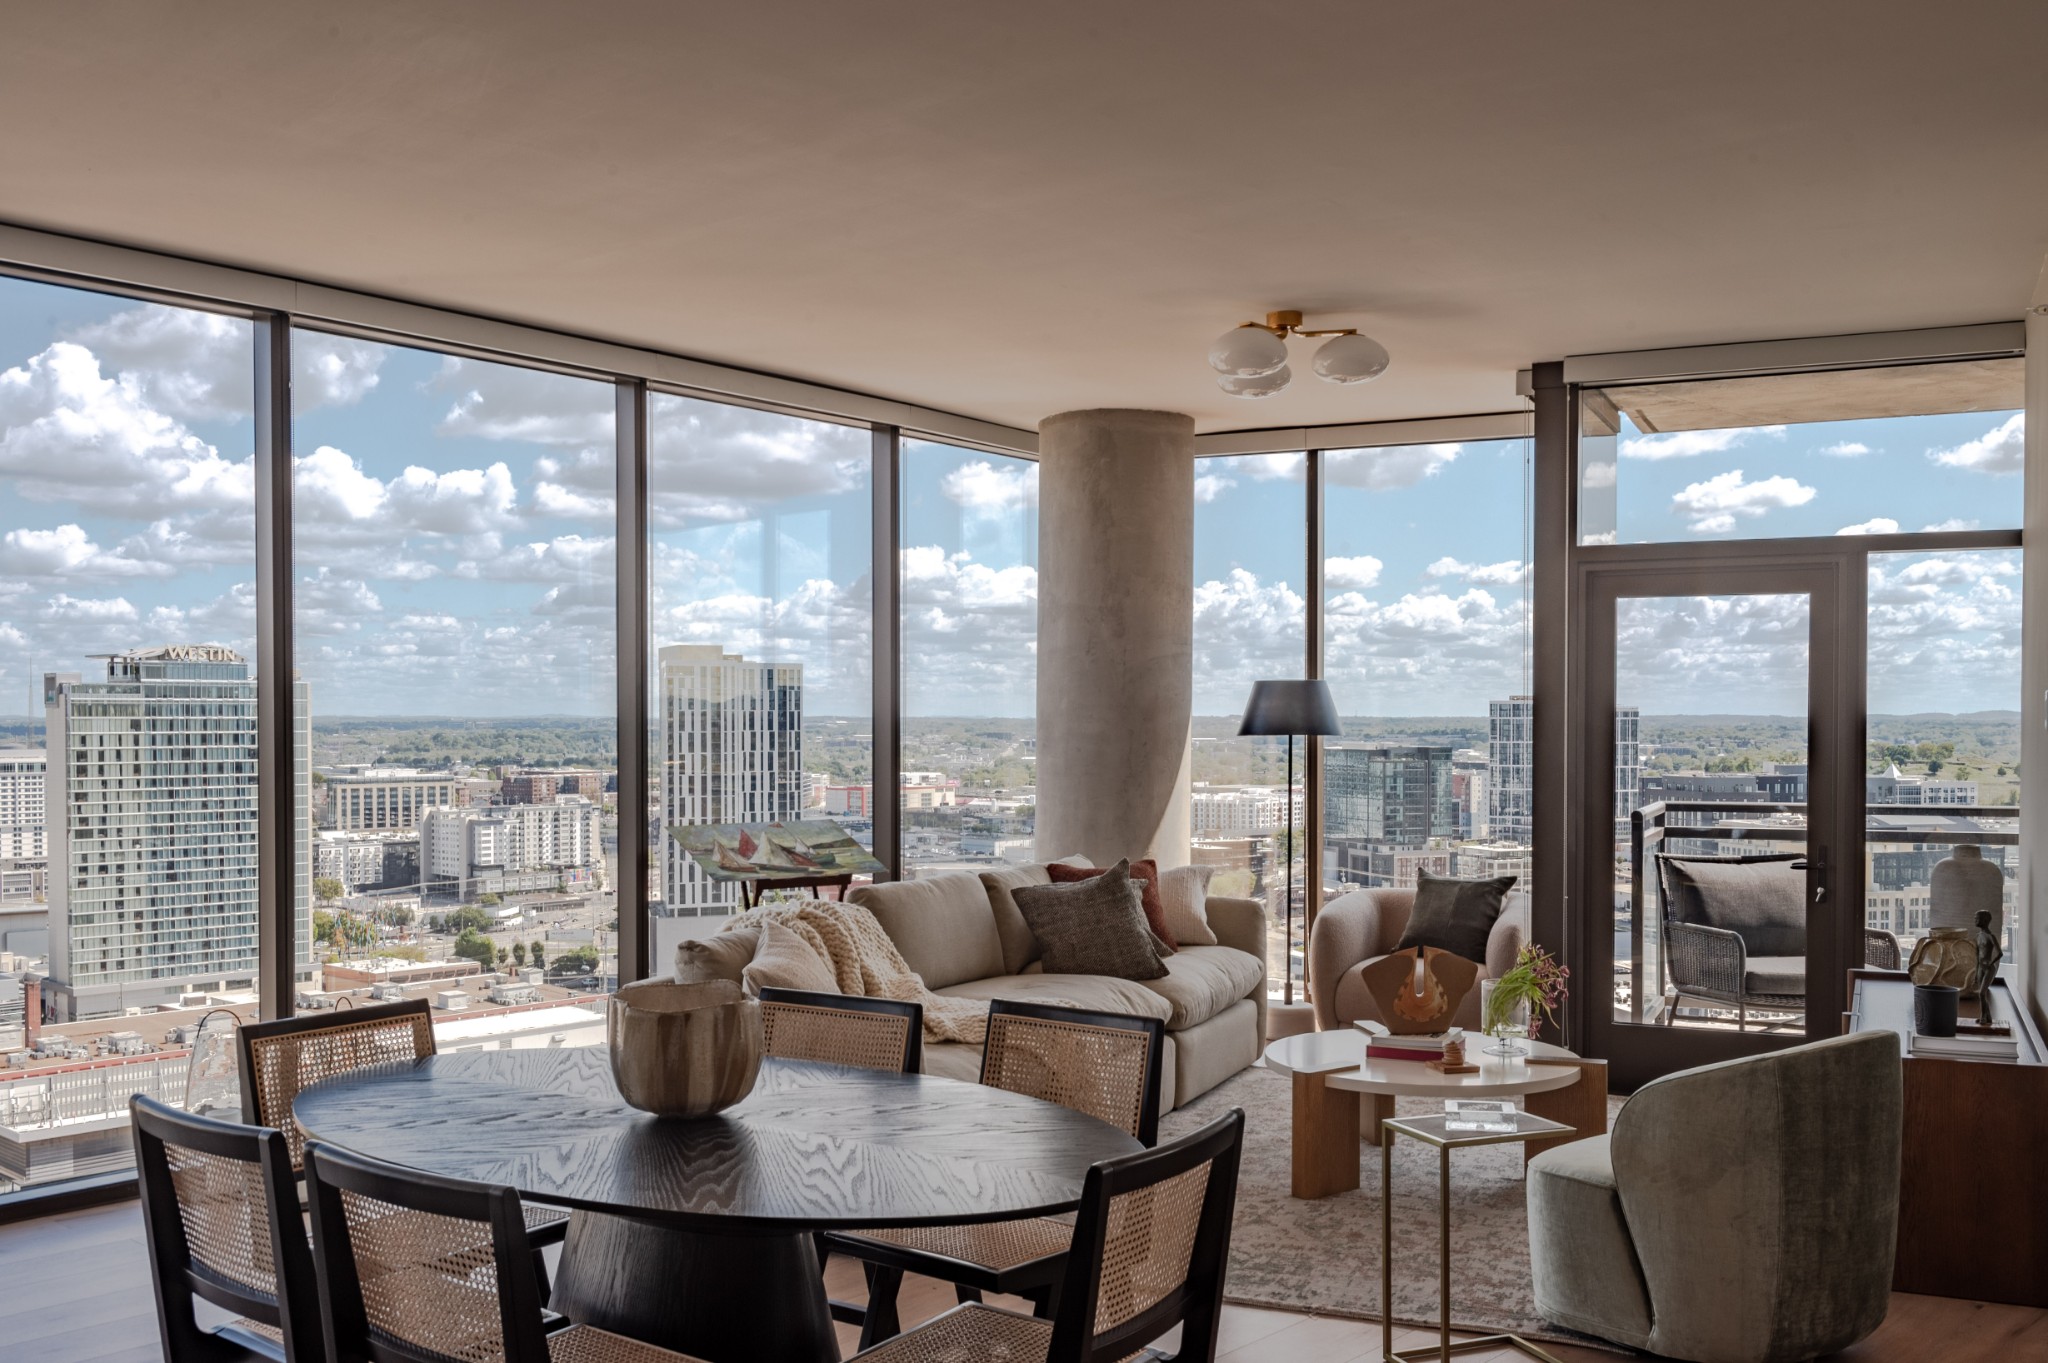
(1432,1131)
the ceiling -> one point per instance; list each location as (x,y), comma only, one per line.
(1010,211)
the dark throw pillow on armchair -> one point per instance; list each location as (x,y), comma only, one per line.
(1454,915)
(1092,927)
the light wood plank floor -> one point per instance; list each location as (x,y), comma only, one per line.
(75,1289)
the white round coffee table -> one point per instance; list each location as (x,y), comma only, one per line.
(1329,1066)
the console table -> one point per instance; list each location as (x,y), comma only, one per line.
(1973,1174)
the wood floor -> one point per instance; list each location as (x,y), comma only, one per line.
(75,1289)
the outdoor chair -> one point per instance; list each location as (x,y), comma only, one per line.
(1734,932)
(220,1209)
(1147,1252)
(843,1029)
(413,1268)
(1104,1064)
(283,1058)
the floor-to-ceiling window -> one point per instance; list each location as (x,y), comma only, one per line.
(969,574)
(453,580)
(760,637)
(128,810)
(1250,624)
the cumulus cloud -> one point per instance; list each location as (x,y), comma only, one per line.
(710,461)
(1949,526)
(331,491)
(1506,574)
(1244,629)
(1944,632)
(1352,574)
(564,559)
(1714,506)
(2002,449)
(1598,475)
(195,366)
(1688,444)
(1210,486)
(1876,525)
(1744,654)
(984,486)
(68,552)
(505,402)
(1388,467)
(1844,449)
(333,371)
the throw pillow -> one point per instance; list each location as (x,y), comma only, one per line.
(723,957)
(785,960)
(1020,948)
(1093,926)
(1184,894)
(1454,915)
(1761,898)
(1145,875)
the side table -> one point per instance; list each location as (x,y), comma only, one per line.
(1432,1131)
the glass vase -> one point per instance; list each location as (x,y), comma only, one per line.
(1508,1026)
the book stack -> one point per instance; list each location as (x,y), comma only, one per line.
(1965,1047)
(1425,1047)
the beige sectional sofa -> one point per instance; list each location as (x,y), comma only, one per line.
(967,939)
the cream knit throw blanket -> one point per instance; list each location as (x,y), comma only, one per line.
(864,961)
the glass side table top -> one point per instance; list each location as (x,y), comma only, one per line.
(1434,1130)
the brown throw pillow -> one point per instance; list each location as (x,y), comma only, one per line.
(1454,915)
(1093,926)
(1146,875)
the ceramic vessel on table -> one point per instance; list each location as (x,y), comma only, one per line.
(683,1050)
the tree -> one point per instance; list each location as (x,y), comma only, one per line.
(327,889)
(471,946)
(323,925)
(399,917)
(536,954)
(575,961)
(490,899)
(504,958)
(468,918)
(519,954)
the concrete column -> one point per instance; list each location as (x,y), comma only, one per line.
(1116,534)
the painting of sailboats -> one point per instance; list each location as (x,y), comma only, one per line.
(795,850)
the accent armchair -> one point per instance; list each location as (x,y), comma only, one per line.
(1356,929)
(1745,1212)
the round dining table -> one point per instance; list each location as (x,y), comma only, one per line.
(697,1234)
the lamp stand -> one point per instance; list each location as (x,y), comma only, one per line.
(1287,794)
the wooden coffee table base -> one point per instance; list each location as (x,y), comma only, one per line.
(1325,1138)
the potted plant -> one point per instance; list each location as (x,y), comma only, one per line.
(1532,989)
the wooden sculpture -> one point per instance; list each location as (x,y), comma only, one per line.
(1419,991)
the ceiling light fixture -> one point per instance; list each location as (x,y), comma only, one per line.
(1251,361)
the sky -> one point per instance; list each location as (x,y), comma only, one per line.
(454,553)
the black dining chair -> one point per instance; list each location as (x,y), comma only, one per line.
(1104,1064)
(220,1209)
(413,1268)
(1148,1252)
(843,1029)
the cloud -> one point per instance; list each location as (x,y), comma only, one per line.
(710,461)
(68,552)
(1244,629)
(1387,467)
(195,366)
(1210,486)
(564,559)
(1505,574)
(984,486)
(333,371)
(506,402)
(1743,654)
(1598,475)
(331,493)
(1714,506)
(1944,632)
(326,603)
(1352,574)
(1876,525)
(1844,449)
(1687,444)
(2002,449)
(1949,526)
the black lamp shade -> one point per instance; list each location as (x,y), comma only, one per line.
(1290,707)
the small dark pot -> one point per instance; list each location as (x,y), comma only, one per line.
(1934,1009)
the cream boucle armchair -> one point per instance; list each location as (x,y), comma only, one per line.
(1356,929)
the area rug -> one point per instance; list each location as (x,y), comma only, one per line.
(1323,1256)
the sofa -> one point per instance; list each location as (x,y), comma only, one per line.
(1744,1212)
(1359,927)
(966,938)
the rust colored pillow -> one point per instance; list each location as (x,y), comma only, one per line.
(1147,871)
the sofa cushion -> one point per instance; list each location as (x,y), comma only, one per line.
(1776,975)
(1103,993)
(1020,948)
(1093,926)
(1184,894)
(1763,900)
(1210,1052)
(724,956)
(1201,982)
(941,923)
(785,960)
(1144,874)
(1454,915)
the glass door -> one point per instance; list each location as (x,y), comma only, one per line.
(1716,736)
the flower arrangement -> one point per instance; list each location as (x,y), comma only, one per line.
(1536,980)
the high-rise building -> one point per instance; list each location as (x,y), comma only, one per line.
(1388,794)
(732,751)
(1511,771)
(511,847)
(388,799)
(22,773)
(150,815)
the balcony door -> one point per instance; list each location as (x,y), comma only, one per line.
(1719,863)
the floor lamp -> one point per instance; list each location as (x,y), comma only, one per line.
(1290,708)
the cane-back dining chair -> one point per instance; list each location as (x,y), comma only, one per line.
(1148,1251)
(220,1209)
(1104,1064)
(843,1029)
(283,1058)
(413,1268)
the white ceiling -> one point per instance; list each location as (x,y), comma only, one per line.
(1012,210)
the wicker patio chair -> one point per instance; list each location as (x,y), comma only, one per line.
(1148,1252)
(414,1268)
(1880,949)
(843,1029)
(283,1058)
(1104,1064)
(220,1209)
(1741,961)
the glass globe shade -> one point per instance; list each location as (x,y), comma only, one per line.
(1351,359)
(1256,385)
(1247,353)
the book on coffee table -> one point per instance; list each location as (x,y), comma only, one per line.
(1381,1045)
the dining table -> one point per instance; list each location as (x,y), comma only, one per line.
(698,1234)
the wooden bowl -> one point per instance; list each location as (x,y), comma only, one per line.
(684,1050)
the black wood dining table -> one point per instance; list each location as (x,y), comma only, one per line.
(697,1235)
